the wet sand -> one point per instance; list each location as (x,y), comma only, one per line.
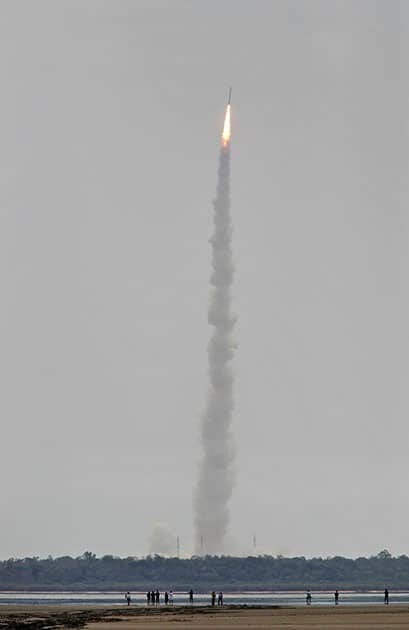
(292,618)
(227,618)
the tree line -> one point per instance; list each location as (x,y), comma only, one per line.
(204,573)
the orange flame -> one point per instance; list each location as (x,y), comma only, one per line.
(226,128)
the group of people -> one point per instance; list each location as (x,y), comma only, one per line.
(153,598)
(219,599)
(308,597)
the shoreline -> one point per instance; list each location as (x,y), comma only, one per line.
(126,618)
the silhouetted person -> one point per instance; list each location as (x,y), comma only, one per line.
(190,596)
(157,596)
(336,597)
(213,598)
(386,597)
(128,598)
(220,599)
(152,597)
(166,598)
(308,598)
(148,597)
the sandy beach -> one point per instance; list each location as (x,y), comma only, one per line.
(93,618)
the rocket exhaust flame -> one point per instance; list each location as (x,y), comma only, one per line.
(215,483)
(226,128)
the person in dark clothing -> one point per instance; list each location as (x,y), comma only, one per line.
(157,596)
(386,597)
(220,599)
(308,598)
(190,596)
(213,598)
(152,598)
(166,598)
(148,597)
(336,597)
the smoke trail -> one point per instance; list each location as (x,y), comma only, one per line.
(215,482)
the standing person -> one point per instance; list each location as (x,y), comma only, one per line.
(153,598)
(220,599)
(128,598)
(166,598)
(386,597)
(336,597)
(148,597)
(308,598)
(213,598)
(171,598)
(157,596)
(190,596)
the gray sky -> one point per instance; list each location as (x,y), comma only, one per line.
(110,118)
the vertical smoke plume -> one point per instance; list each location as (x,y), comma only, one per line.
(215,482)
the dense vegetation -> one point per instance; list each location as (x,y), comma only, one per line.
(204,573)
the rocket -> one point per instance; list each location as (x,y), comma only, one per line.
(229,101)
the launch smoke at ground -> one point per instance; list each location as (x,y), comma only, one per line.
(215,482)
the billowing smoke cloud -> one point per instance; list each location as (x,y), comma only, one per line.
(216,477)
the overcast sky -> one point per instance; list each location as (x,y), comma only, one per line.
(110,119)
